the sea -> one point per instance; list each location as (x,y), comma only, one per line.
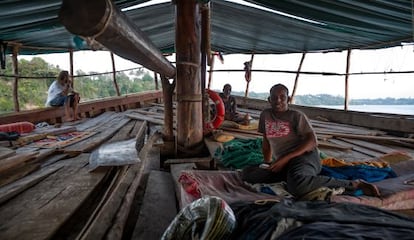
(396,109)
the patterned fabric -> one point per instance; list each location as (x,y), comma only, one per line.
(228,185)
(206,218)
(284,130)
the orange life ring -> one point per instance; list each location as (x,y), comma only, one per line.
(20,127)
(219,118)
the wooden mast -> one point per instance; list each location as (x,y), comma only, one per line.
(348,64)
(189,97)
(102,21)
(292,96)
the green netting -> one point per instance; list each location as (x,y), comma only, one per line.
(239,153)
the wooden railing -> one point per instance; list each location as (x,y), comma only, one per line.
(393,123)
(86,109)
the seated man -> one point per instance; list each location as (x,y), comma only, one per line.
(230,106)
(60,93)
(290,150)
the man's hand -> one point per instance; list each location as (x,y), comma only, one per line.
(278,165)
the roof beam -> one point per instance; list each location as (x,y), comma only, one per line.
(102,21)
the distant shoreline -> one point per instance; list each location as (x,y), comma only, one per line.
(407,109)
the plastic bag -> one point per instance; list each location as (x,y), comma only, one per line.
(114,154)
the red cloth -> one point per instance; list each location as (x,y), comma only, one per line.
(20,127)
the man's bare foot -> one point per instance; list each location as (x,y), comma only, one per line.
(246,120)
(367,188)
(69,119)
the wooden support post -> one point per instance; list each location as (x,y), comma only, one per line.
(248,74)
(248,77)
(205,55)
(210,75)
(114,75)
(292,97)
(71,73)
(156,81)
(348,64)
(16,78)
(102,21)
(189,98)
(168,135)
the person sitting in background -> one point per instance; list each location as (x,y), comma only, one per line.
(290,151)
(60,93)
(230,106)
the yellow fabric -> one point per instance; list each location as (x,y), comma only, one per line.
(253,125)
(221,137)
(333,162)
(395,157)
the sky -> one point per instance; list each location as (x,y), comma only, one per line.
(360,86)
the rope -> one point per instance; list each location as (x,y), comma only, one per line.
(106,22)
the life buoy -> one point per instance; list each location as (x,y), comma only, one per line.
(219,118)
(20,127)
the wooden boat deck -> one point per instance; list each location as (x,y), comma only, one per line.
(49,192)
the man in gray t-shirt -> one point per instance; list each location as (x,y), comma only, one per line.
(290,149)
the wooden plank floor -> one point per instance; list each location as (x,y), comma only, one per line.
(48,189)
(39,211)
(59,197)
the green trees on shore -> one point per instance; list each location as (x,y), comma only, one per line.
(36,75)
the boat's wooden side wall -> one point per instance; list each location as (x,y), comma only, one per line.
(382,121)
(87,109)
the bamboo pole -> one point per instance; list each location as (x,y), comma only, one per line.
(189,98)
(348,64)
(16,78)
(292,97)
(114,74)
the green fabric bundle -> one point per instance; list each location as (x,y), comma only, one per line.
(239,153)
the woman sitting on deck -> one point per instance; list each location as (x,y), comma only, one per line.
(60,93)
(290,150)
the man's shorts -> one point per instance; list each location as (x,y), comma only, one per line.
(60,100)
